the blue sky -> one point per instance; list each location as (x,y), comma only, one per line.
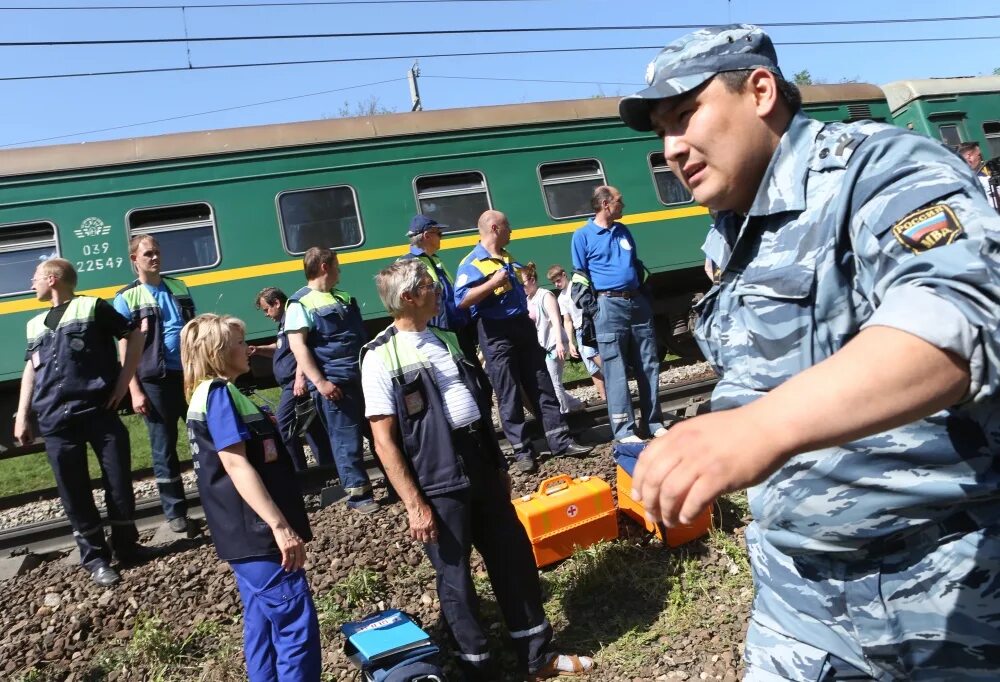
(36,110)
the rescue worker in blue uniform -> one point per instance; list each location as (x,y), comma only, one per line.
(252,502)
(159,306)
(295,399)
(432,425)
(854,324)
(425,242)
(73,383)
(490,288)
(325,332)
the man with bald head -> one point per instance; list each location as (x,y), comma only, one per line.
(489,287)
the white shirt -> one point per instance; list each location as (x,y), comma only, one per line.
(543,324)
(376,383)
(568,307)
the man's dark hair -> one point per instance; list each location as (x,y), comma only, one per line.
(270,296)
(735,81)
(601,194)
(967,147)
(314,258)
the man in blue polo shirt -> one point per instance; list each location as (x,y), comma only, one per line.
(605,253)
(489,287)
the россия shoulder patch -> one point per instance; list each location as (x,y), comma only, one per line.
(929,227)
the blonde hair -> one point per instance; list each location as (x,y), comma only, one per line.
(60,268)
(205,342)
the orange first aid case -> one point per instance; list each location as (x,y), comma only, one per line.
(670,536)
(567,513)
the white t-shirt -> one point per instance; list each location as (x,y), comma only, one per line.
(459,406)
(543,325)
(568,307)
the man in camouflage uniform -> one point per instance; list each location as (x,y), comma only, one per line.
(854,323)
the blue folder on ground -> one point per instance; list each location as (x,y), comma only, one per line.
(385,639)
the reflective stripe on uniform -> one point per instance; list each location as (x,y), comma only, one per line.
(520,634)
(474,658)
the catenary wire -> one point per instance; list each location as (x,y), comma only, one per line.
(303,62)
(447,32)
(227,5)
(200,113)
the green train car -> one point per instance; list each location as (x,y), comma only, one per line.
(234,209)
(952,110)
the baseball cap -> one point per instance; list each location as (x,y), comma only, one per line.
(689,61)
(421,224)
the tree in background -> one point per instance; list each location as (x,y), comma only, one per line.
(803,77)
(367,107)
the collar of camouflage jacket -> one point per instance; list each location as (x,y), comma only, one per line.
(783,187)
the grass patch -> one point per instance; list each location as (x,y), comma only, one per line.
(32,472)
(354,597)
(157,653)
(643,597)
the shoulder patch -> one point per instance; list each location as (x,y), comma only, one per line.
(929,227)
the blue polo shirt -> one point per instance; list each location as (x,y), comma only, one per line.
(607,255)
(505,301)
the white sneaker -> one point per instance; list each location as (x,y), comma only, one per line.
(631,439)
(659,432)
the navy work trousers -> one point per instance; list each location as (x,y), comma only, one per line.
(166,406)
(483,517)
(316,436)
(514,360)
(280,627)
(67,452)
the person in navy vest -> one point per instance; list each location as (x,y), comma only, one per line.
(425,242)
(489,286)
(325,331)
(159,306)
(431,421)
(271,301)
(73,383)
(252,502)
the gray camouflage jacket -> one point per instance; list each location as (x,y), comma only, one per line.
(855,225)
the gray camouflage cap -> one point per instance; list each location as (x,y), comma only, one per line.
(691,60)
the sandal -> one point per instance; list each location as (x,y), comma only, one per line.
(563,665)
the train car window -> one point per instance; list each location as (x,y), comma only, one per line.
(455,200)
(992,131)
(186,233)
(327,216)
(568,185)
(949,135)
(669,188)
(22,247)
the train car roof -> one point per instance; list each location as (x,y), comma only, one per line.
(901,93)
(29,160)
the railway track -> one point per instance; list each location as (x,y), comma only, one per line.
(681,399)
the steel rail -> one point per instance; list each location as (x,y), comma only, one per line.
(680,397)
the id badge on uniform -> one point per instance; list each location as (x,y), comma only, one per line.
(36,359)
(413,400)
(270,451)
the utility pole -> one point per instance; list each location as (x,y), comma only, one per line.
(412,76)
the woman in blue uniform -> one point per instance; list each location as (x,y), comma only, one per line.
(252,503)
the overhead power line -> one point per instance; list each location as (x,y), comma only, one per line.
(302,96)
(456,31)
(227,5)
(342,60)
(199,113)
